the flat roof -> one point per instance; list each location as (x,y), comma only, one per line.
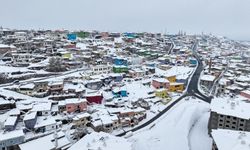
(11,135)
(208,78)
(237,107)
(11,121)
(231,140)
(30,115)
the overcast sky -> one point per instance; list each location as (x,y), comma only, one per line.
(229,18)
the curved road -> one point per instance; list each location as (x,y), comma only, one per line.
(192,90)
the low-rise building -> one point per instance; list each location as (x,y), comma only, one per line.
(6,104)
(55,87)
(30,119)
(45,123)
(10,140)
(101,69)
(160,83)
(161,93)
(207,80)
(245,93)
(81,120)
(75,105)
(94,98)
(174,87)
(10,123)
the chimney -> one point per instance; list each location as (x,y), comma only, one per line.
(210,64)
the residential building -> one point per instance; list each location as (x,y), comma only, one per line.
(175,87)
(81,120)
(207,80)
(10,123)
(10,140)
(101,69)
(94,98)
(46,123)
(246,94)
(161,93)
(229,113)
(30,119)
(55,87)
(160,83)
(76,105)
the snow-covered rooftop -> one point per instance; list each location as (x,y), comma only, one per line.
(11,135)
(231,140)
(46,142)
(237,107)
(44,121)
(210,78)
(103,140)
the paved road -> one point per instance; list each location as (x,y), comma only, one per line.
(192,90)
(193,87)
(172,47)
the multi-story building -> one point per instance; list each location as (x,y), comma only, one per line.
(207,80)
(55,87)
(101,69)
(10,140)
(76,105)
(160,83)
(230,113)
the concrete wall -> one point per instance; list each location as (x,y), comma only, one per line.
(227,122)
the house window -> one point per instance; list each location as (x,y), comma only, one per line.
(241,124)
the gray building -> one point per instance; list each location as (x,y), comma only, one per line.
(30,119)
(230,114)
(10,123)
(10,140)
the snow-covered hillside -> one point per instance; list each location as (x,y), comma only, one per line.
(182,128)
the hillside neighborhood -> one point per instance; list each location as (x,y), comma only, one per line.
(93,90)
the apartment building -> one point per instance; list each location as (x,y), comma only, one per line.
(229,113)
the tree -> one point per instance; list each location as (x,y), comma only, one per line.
(3,78)
(56,65)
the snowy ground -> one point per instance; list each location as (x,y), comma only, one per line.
(178,129)
(199,140)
